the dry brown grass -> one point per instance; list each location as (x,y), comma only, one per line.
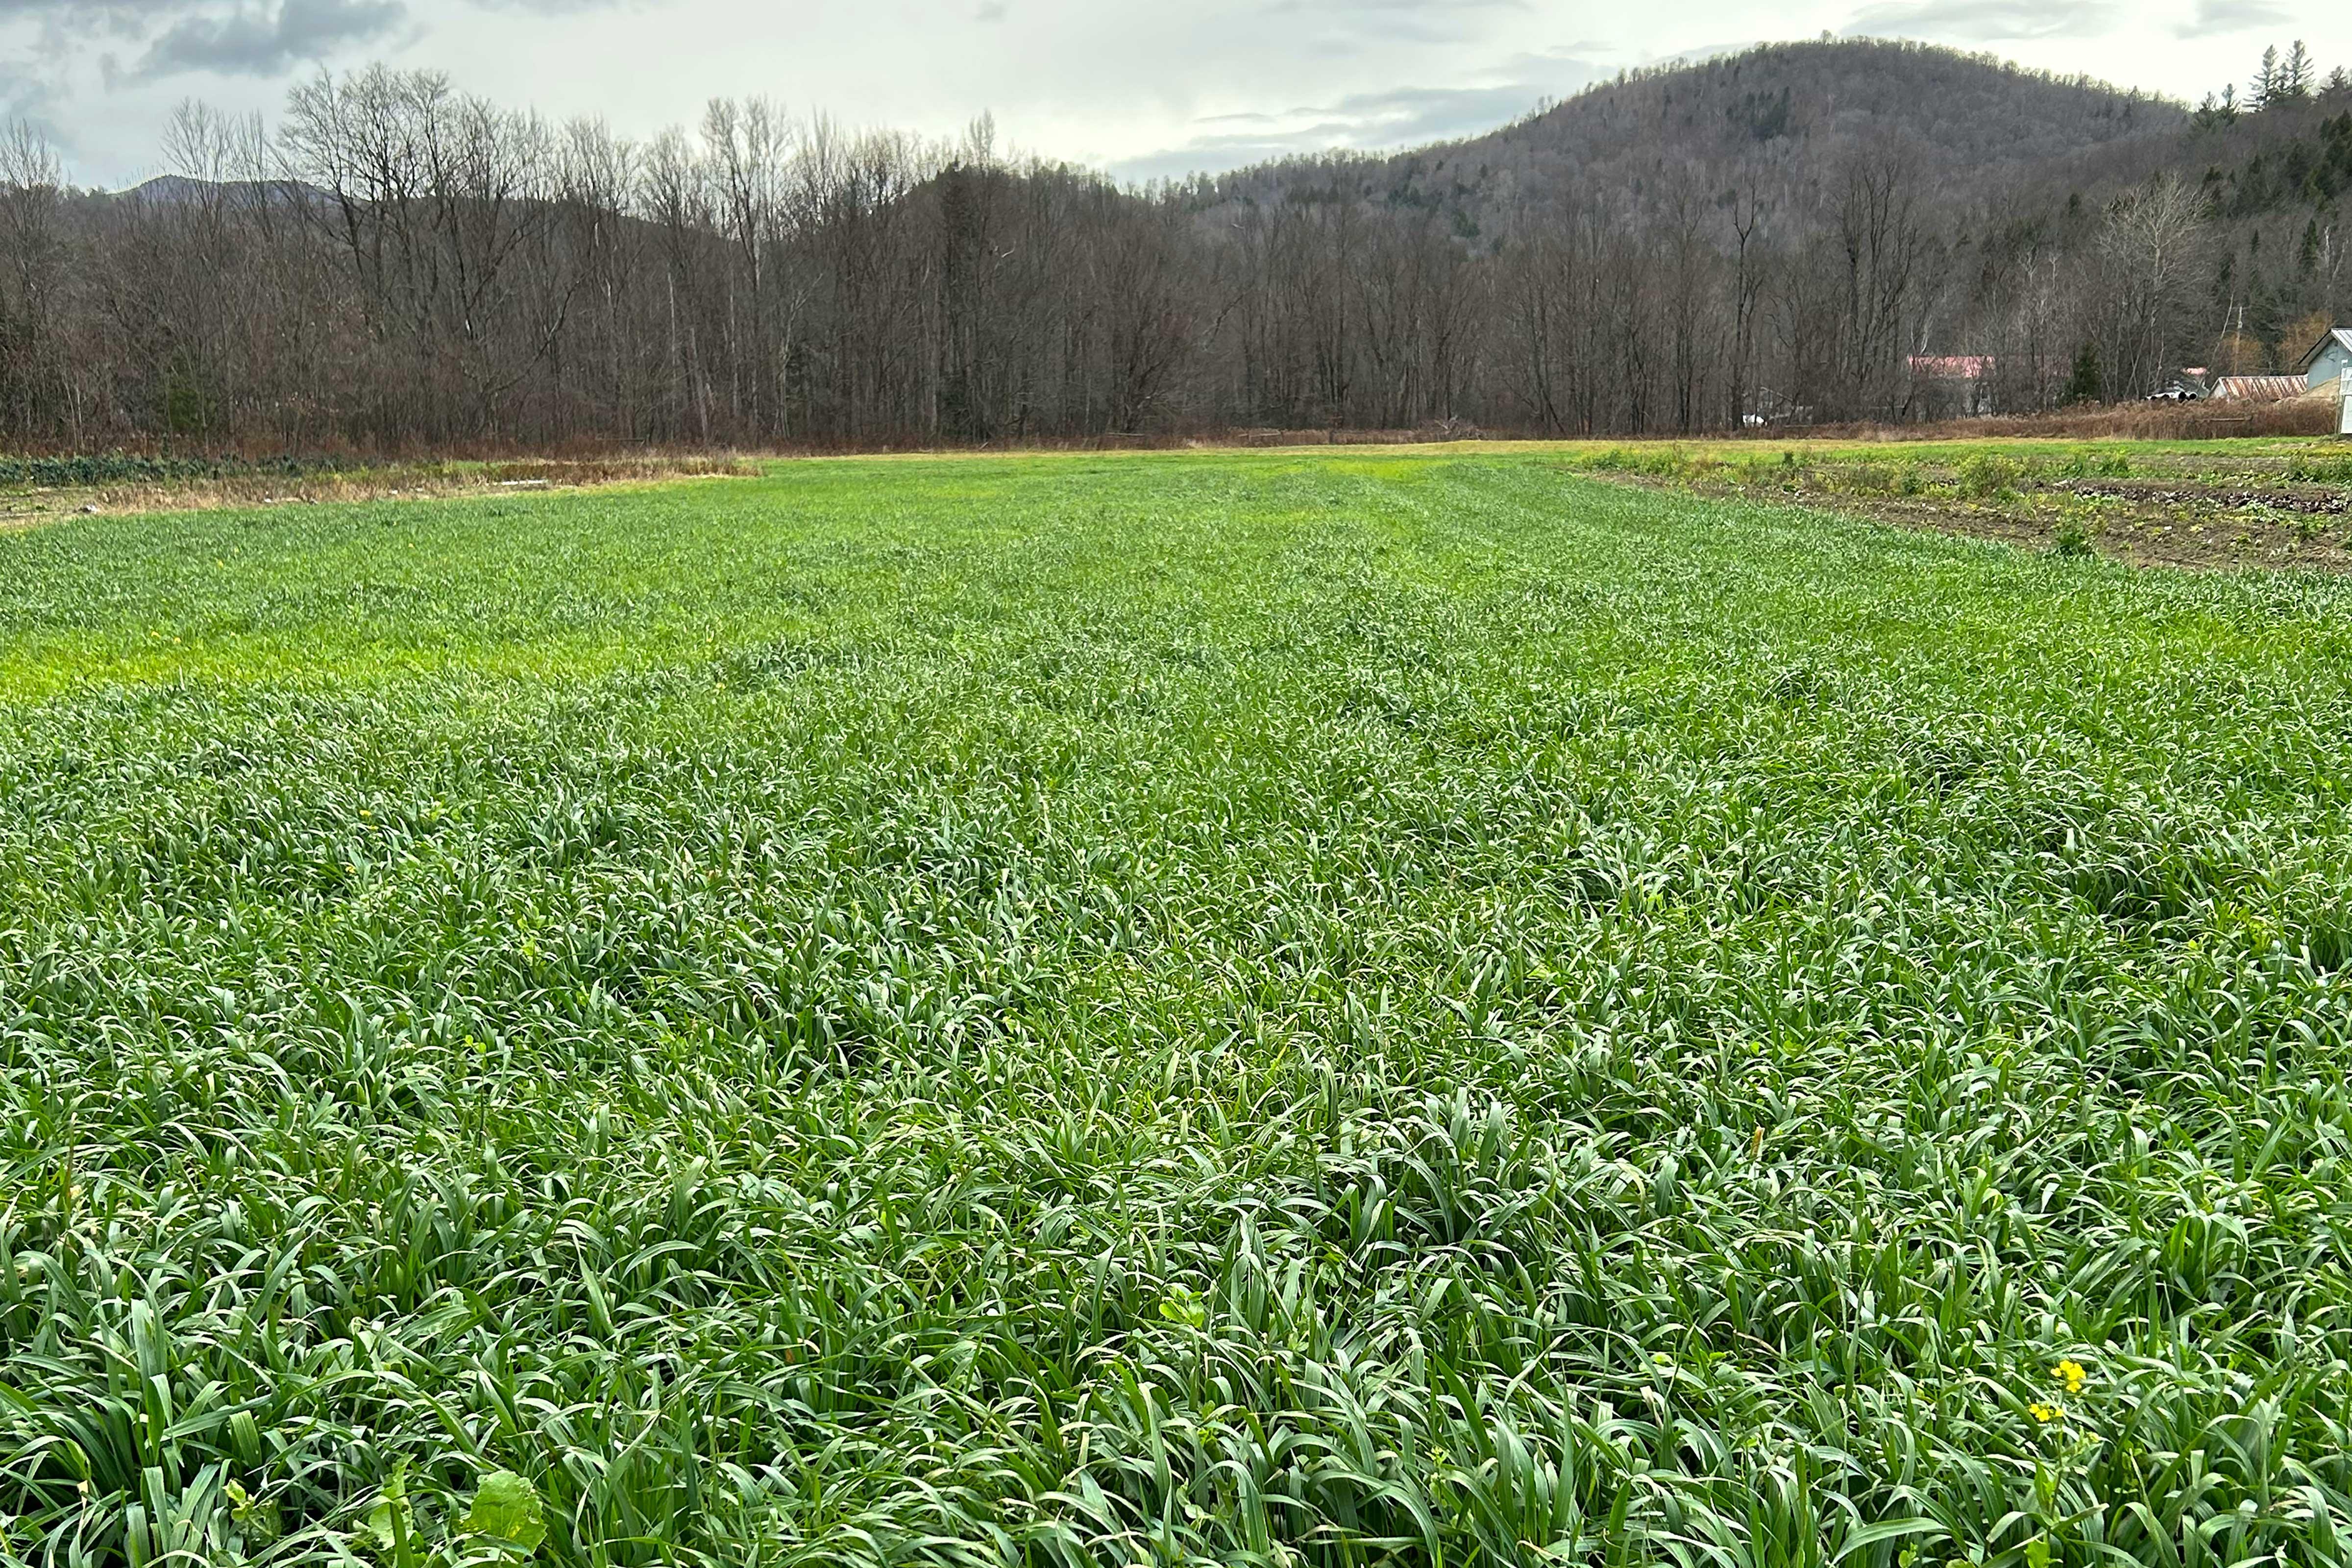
(2124,422)
(403,480)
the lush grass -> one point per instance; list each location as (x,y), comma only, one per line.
(1170,1008)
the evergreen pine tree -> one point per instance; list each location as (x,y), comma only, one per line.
(2087,385)
(2294,76)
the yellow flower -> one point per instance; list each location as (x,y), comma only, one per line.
(2070,1372)
(2045,1413)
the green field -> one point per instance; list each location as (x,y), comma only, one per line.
(1171,1008)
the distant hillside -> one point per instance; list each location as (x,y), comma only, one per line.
(2003,171)
(180,190)
(1781,112)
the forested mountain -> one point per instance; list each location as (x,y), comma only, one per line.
(1783,235)
(1788,114)
(2086,239)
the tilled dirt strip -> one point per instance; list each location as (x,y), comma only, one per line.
(2310,500)
(2155,522)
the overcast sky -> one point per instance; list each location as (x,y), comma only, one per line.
(1140,87)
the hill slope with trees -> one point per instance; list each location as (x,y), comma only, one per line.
(1801,232)
(1977,126)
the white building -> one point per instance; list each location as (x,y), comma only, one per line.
(2328,360)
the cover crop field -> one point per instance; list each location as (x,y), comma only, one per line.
(1175,1008)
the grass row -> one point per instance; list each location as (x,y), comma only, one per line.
(1170,1009)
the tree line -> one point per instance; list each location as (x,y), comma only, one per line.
(397,264)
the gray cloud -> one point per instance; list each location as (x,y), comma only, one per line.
(63,30)
(260,41)
(1983,21)
(112,13)
(1406,117)
(1395,21)
(1390,9)
(2232,17)
(557,8)
(1700,54)
(34,99)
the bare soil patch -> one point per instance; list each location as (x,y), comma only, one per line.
(2213,510)
(2171,528)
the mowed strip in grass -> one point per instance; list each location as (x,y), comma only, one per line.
(1251,1009)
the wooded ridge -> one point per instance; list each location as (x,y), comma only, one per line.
(1800,232)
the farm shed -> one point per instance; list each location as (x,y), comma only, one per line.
(2328,359)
